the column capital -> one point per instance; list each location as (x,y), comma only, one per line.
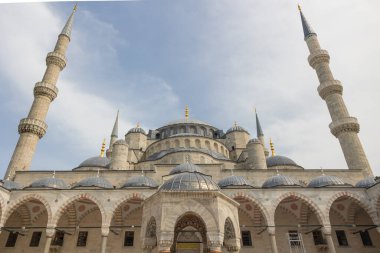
(105,230)
(50,231)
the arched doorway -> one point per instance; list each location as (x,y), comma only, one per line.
(190,235)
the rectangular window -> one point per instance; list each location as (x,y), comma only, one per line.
(35,241)
(58,238)
(318,238)
(366,239)
(341,236)
(12,238)
(246,238)
(128,238)
(294,238)
(82,238)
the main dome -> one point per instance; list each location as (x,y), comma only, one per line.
(279,160)
(186,121)
(96,161)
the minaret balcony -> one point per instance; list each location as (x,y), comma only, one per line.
(45,89)
(56,59)
(330,87)
(318,57)
(34,126)
(348,124)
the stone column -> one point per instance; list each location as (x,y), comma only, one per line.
(272,238)
(166,241)
(49,237)
(105,232)
(216,242)
(327,233)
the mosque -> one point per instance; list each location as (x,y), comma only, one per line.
(189,186)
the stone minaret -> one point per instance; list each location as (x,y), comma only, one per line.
(114,135)
(343,126)
(260,134)
(33,128)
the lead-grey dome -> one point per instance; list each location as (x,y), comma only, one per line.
(137,130)
(96,161)
(11,185)
(233,181)
(279,160)
(366,182)
(280,180)
(97,181)
(140,181)
(49,182)
(190,181)
(325,180)
(186,121)
(184,167)
(236,129)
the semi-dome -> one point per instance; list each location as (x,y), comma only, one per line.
(234,181)
(49,182)
(97,181)
(190,181)
(280,180)
(137,130)
(96,161)
(140,181)
(185,167)
(236,129)
(279,160)
(325,180)
(366,182)
(11,185)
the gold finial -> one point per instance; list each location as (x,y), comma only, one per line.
(75,7)
(271,147)
(187,112)
(103,149)
(299,7)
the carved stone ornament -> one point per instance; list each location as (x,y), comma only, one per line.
(318,57)
(45,89)
(33,126)
(56,59)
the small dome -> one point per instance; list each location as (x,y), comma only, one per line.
(11,185)
(120,142)
(140,181)
(280,180)
(136,130)
(94,182)
(185,167)
(325,180)
(190,181)
(49,182)
(234,181)
(279,160)
(236,129)
(96,161)
(366,182)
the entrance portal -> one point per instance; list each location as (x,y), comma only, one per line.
(190,235)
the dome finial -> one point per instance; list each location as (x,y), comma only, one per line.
(235,123)
(97,174)
(102,150)
(142,172)
(278,173)
(138,124)
(299,7)
(272,147)
(187,112)
(53,176)
(323,173)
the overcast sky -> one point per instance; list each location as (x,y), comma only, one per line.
(222,58)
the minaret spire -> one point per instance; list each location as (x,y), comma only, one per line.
(33,128)
(343,126)
(260,134)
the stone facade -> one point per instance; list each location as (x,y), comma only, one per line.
(190,187)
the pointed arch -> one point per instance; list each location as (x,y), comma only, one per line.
(229,230)
(24,199)
(257,203)
(306,200)
(66,205)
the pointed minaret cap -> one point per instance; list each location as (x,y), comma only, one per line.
(307,30)
(115,129)
(258,126)
(69,24)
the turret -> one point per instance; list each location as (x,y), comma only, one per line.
(136,139)
(33,127)
(260,134)
(119,155)
(236,140)
(114,135)
(343,126)
(256,157)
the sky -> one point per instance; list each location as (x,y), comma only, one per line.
(150,59)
